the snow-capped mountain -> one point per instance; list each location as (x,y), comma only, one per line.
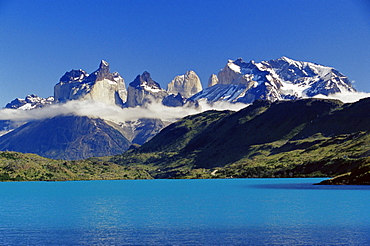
(30,102)
(238,81)
(101,85)
(273,80)
(144,90)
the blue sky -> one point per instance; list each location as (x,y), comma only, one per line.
(40,40)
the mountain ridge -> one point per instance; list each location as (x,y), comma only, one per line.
(277,79)
(259,137)
(66,137)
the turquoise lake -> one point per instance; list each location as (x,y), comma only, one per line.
(184,212)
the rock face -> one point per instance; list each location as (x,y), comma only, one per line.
(213,80)
(141,130)
(187,85)
(173,100)
(30,102)
(273,80)
(66,137)
(101,86)
(144,90)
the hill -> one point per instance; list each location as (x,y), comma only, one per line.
(299,138)
(359,175)
(30,167)
(66,137)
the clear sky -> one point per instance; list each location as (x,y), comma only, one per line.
(41,39)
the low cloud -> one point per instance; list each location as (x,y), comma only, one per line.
(154,110)
(346,97)
(113,113)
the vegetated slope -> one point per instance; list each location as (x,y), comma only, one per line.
(359,175)
(66,137)
(16,166)
(179,134)
(310,137)
(164,151)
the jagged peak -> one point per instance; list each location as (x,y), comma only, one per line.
(101,73)
(190,72)
(240,63)
(74,75)
(298,63)
(286,59)
(186,84)
(146,76)
(30,102)
(145,81)
(213,80)
(104,63)
(103,67)
(239,60)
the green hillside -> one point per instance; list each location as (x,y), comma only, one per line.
(30,167)
(302,138)
(359,175)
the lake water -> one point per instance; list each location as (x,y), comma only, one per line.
(184,212)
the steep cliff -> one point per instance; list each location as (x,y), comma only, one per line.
(187,85)
(101,86)
(144,90)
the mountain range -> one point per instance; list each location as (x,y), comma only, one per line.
(76,137)
(238,81)
(273,80)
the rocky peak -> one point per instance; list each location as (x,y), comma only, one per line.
(187,85)
(145,82)
(30,102)
(213,80)
(173,100)
(239,62)
(278,79)
(143,90)
(317,78)
(73,76)
(101,85)
(101,73)
(16,103)
(236,73)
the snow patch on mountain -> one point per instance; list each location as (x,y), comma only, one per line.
(144,90)
(278,79)
(30,102)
